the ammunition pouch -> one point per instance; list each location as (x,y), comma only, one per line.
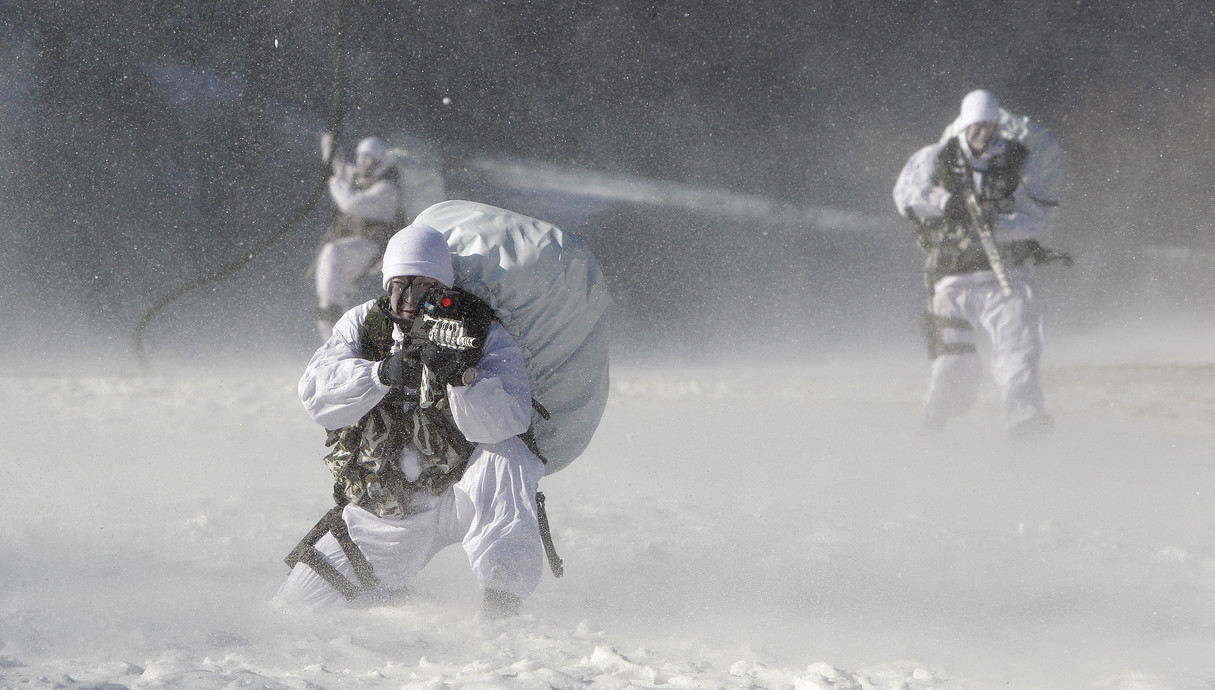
(365,456)
(365,460)
(950,248)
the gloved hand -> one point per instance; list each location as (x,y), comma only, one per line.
(445,363)
(955,209)
(402,368)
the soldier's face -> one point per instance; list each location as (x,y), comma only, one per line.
(408,293)
(980,135)
(365,163)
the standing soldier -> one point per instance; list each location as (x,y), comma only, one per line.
(368,200)
(979,205)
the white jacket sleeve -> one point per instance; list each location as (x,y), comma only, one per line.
(498,404)
(378,202)
(338,386)
(916,190)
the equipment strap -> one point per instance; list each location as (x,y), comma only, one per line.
(1042,202)
(546,535)
(957,323)
(332,523)
(952,322)
(306,552)
(931,327)
(955,348)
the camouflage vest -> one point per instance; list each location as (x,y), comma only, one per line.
(365,456)
(952,248)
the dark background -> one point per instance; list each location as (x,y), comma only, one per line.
(143,144)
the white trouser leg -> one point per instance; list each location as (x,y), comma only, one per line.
(396,549)
(305,588)
(1014,324)
(492,510)
(497,496)
(953,384)
(339,265)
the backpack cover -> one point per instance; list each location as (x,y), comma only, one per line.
(546,289)
(1040,142)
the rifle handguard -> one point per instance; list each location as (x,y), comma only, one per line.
(982,228)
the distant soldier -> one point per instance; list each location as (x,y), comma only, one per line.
(367,197)
(373,197)
(980,204)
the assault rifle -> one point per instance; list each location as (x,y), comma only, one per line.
(447,320)
(458,323)
(982,227)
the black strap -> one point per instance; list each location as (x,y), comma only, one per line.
(931,327)
(362,567)
(332,523)
(546,536)
(305,552)
(955,348)
(1042,202)
(540,409)
(957,322)
(529,436)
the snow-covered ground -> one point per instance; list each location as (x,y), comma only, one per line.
(734,524)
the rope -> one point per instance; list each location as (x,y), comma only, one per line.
(335,126)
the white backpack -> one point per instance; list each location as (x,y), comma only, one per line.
(548,292)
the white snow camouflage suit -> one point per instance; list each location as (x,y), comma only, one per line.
(492,510)
(1013,322)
